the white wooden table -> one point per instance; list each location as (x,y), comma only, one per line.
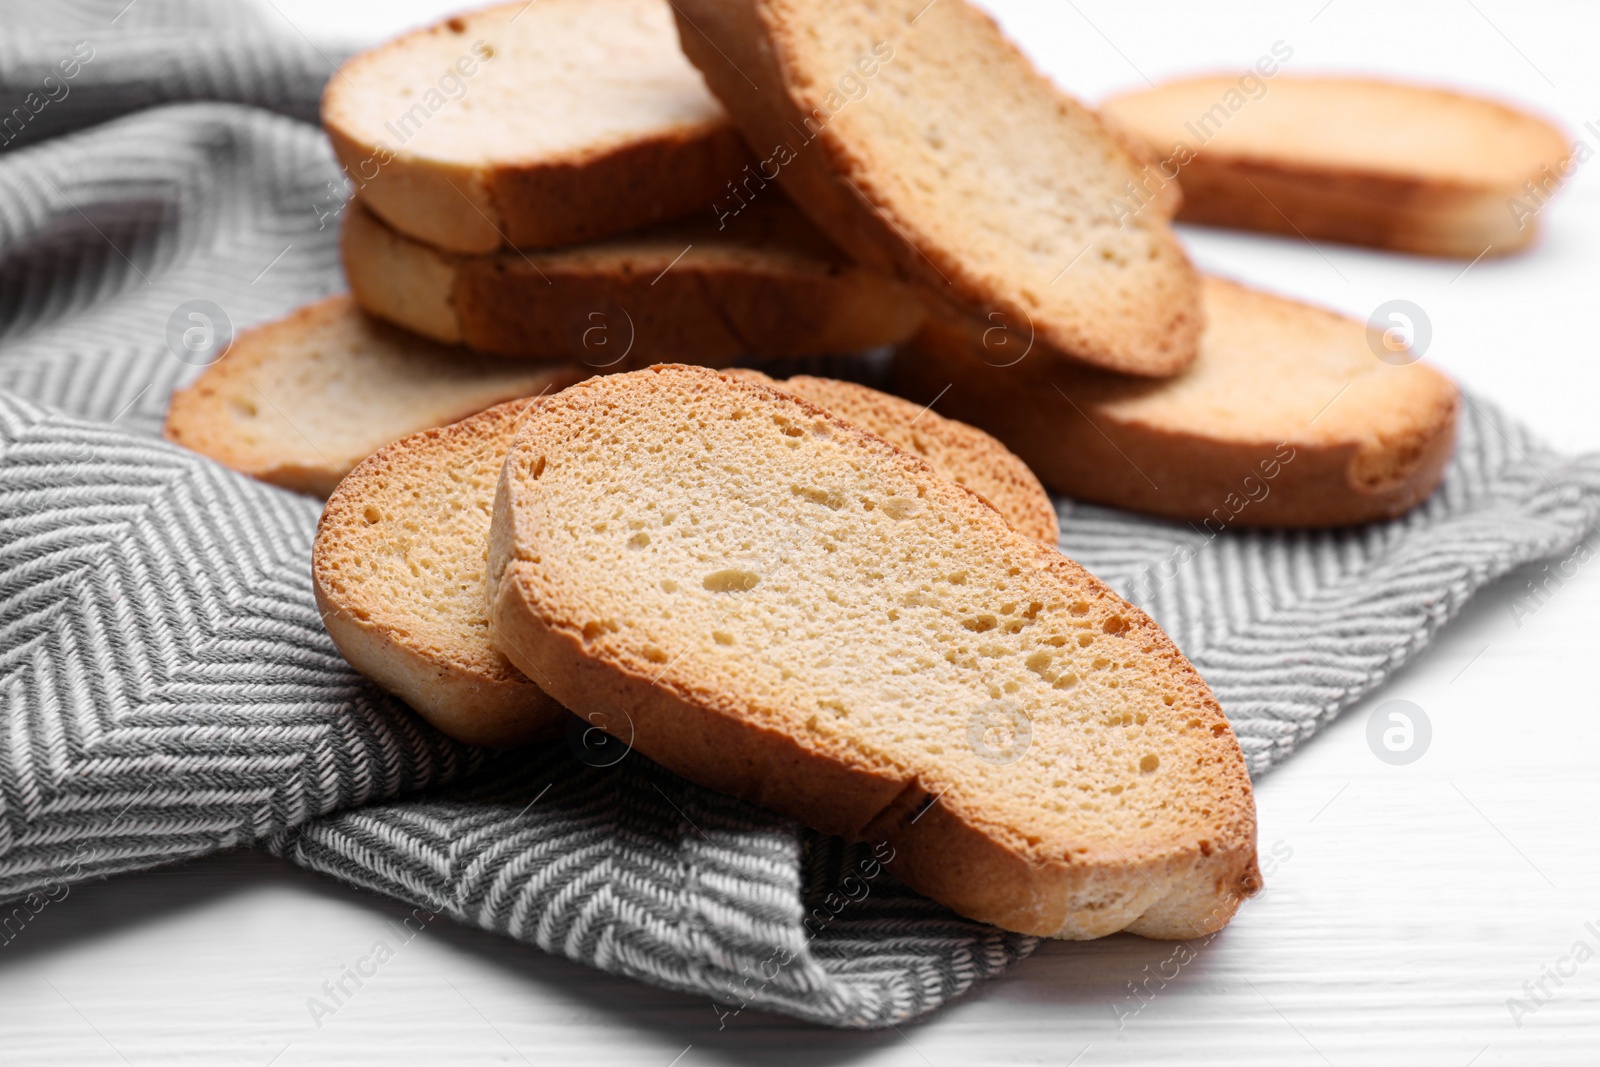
(1405,906)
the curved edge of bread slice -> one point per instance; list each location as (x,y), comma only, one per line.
(299,401)
(398,571)
(964,454)
(670,158)
(766,285)
(422,634)
(925,143)
(1288,418)
(595,604)
(1391,165)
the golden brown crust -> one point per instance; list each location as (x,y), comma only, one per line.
(1402,167)
(768,285)
(503,199)
(872,195)
(1396,214)
(1379,453)
(454,679)
(674,175)
(953,850)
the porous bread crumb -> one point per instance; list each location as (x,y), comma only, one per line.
(398,570)
(962,453)
(301,400)
(532,125)
(924,142)
(858,633)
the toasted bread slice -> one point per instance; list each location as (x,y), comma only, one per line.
(533,125)
(1368,162)
(398,569)
(399,558)
(924,143)
(781,606)
(962,453)
(300,401)
(768,284)
(1288,418)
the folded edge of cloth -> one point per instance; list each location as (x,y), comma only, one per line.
(632,870)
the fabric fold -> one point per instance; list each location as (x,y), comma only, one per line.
(167,689)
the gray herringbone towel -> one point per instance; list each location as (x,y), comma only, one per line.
(167,690)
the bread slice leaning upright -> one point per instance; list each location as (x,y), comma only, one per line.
(398,571)
(532,125)
(299,401)
(925,143)
(780,606)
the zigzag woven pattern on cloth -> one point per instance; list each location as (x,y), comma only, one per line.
(167,689)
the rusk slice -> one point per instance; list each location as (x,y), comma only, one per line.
(964,454)
(1369,162)
(399,560)
(1288,418)
(924,142)
(781,606)
(536,125)
(300,401)
(398,569)
(767,284)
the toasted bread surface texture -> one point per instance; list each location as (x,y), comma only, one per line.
(398,570)
(767,284)
(923,142)
(784,607)
(533,125)
(1288,418)
(1396,166)
(300,401)
(964,454)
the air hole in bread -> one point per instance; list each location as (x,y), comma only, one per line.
(731,580)
(828,498)
(901,508)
